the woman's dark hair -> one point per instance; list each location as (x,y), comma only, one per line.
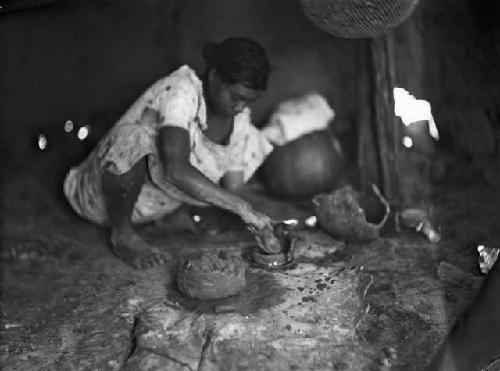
(239,61)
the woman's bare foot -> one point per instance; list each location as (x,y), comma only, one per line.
(132,249)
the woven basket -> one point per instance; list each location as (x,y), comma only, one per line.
(208,275)
(340,214)
(358,18)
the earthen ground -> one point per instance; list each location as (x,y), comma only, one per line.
(67,303)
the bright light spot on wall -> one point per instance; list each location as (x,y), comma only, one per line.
(83,132)
(68,126)
(311,221)
(411,110)
(407,142)
(488,256)
(433,130)
(196,218)
(42,141)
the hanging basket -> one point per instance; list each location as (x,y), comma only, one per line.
(358,18)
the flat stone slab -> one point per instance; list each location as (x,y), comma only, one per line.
(310,324)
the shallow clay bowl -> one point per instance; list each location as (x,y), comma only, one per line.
(264,259)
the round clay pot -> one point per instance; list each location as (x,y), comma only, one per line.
(304,167)
(208,275)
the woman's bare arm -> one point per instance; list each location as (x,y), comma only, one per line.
(175,151)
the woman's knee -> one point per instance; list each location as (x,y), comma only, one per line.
(125,150)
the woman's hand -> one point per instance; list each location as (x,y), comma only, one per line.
(253,217)
(260,226)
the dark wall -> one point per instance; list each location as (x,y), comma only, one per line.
(449,54)
(88,60)
(84,61)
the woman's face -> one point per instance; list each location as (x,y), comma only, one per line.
(229,99)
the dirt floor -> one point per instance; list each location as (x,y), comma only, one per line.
(68,304)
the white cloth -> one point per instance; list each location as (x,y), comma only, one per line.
(296,117)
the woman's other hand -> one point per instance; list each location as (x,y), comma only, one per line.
(253,217)
(260,226)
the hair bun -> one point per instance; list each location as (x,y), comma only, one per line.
(208,52)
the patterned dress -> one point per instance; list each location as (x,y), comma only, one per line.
(178,101)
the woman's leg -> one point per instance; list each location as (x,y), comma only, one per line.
(120,195)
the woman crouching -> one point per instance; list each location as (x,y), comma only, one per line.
(185,140)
